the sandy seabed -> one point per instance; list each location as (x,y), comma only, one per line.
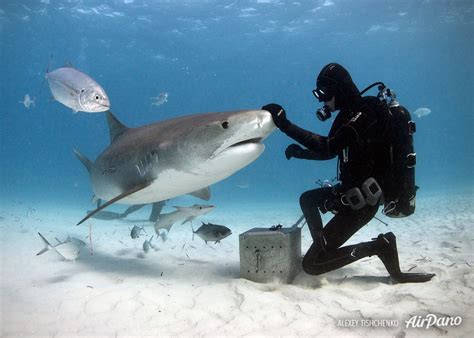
(189,288)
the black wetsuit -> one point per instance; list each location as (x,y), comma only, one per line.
(357,138)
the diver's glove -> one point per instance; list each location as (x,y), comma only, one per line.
(278,115)
(294,150)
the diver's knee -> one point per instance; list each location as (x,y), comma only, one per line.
(306,197)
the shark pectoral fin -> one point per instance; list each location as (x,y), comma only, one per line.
(204,194)
(115,199)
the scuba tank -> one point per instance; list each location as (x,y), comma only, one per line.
(399,189)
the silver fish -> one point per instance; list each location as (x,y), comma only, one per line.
(77,91)
(160,99)
(212,232)
(147,245)
(68,250)
(136,231)
(28,101)
(420,112)
(188,214)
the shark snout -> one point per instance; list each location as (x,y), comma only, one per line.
(264,121)
(249,127)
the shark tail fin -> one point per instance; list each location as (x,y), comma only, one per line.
(84,160)
(116,128)
(47,245)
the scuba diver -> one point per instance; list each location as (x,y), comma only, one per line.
(359,138)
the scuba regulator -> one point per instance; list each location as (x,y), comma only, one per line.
(323,113)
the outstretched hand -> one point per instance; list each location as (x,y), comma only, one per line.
(293,150)
(278,114)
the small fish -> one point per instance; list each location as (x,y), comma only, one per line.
(147,245)
(160,99)
(136,231)
(212,232)
(166,221)
(77,90)
(163,235)
(68,250)
(420,112)
(28,101)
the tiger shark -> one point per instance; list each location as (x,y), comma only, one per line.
(184,155)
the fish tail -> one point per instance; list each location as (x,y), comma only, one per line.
(47,245)
(45,76)
(163,236)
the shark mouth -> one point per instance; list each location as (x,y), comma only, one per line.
(235,146)
(252,140)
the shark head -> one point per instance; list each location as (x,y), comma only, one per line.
(223,143)
(179,156)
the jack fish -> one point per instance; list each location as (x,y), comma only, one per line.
(77,91)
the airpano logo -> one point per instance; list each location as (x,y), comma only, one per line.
(431,320)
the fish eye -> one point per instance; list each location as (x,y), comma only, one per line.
(97,97)
(225,125)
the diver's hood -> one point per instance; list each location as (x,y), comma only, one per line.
(336,81)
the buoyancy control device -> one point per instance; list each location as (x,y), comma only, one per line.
(399,189)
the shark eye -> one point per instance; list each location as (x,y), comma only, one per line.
(225,125)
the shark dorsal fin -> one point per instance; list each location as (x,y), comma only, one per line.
(116,128)
(84,160)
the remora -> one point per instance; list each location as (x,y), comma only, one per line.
(179,156)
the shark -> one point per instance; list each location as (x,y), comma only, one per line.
(183,155)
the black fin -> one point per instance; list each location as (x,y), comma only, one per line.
(116,128)
(156,211)
(87,163)
(131,209)
(115,199)
(412,277)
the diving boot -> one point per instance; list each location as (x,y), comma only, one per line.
(386,248)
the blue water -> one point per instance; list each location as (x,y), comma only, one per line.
(229,55)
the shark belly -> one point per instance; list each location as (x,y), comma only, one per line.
(172,182)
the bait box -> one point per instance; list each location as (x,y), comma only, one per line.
(266,255)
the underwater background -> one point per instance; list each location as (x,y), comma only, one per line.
(211,56)
(229,55)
